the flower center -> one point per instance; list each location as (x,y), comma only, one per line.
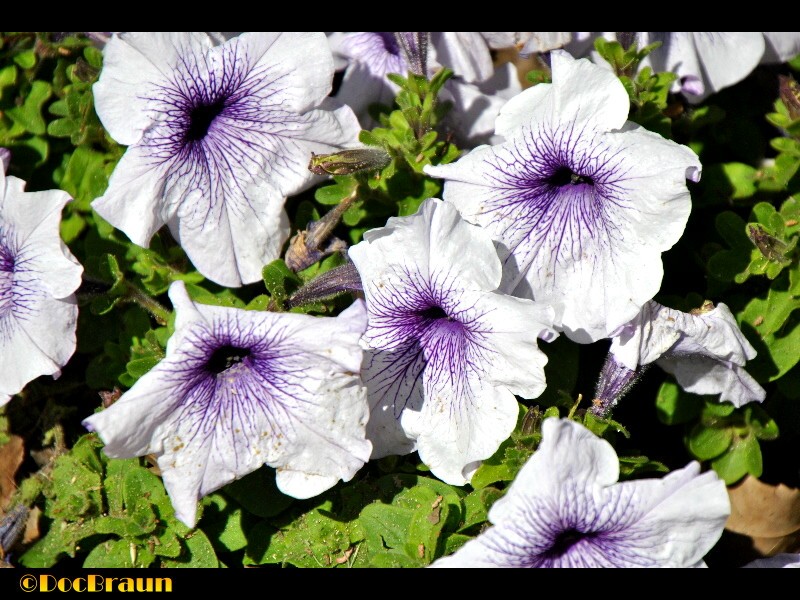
(225,357)
(434,313)
(389,42)
(7,265)
(201,117)
(565,540)
(565,176)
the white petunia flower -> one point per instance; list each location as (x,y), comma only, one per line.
(705,350)
(566,508)
(446,350)
(583,202)
(219,133)
(239,389)
(38,278)
(5,158)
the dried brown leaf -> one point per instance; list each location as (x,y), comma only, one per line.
(12,454)
(760,510)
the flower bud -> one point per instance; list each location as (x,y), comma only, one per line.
(348,162)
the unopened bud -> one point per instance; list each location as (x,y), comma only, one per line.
(789,92)
(415,47)
(328,285)
(347,162)
(615,381)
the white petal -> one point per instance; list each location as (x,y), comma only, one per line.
(683,515)
(729,56)
(465,52)
(38,342)
(304,59)
(435,241)
(132,62)
(780,46)
(702,375)
(36,217)
(131,202)
(544,41)
(581,93)
(394,384)
(234,249)
(461,425)
(476,107)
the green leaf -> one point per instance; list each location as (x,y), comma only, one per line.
(138,367)
(709,442)
(223,524)
(118,554)
(198,553)
(743,457)
(85,177)
(61,539)
(313,539)
(344,187)
(280,281)
(675,406)
(29,114)
(743,179)
(476,507)
(761,424)
(26,59)
(494,469)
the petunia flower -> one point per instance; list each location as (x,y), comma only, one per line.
(38,278)
(566,508)
(583,202)
(218,134)
(704,350)
(5,158)
(446,350)
(477,91)
(238,389)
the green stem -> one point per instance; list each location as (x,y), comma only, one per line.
(155,308)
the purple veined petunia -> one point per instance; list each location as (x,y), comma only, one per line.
(566,508)
(218,134)
(582,201)
(446,351)
(38,279)
(477,90)
(5,158)
(239,389)
(704,350)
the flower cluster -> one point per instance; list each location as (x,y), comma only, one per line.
(555,220)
